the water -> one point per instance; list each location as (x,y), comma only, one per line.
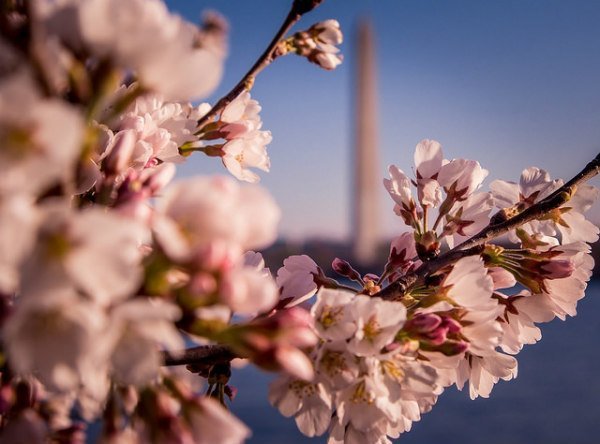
(554,400)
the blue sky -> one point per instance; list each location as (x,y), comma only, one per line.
(510,83)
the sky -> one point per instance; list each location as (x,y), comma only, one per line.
(510,83)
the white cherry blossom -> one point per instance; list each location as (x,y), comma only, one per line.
(428,159)
(377,322)
(19,224)
(296,279)
(333,319)
(470,286)
(97,251)
(462,176)
(139,329)
(152,44)
(56,338)
(41,137)
(196,209)
(310,403)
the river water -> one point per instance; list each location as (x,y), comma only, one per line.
(554,400)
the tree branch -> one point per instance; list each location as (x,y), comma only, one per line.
(536,211)
(475,244)
(298,9)
(204,354)
(396,289)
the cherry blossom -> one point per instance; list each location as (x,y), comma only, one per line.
(151,44)
(138,330)
(377,322)
(107,272)
(296,279)
(41,137)
(106,265)
(309,403)
(196,208)
(54,338)
(333,320)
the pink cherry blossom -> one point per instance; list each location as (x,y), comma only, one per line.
(41,137)
(248,289)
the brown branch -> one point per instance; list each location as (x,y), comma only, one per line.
(475,244)
(536,211)
(204,354)
(299,7)
(396,289)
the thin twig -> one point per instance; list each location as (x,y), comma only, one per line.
(396,289)
(204,354)
(263,61)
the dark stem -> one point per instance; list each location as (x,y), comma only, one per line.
(204,354)
(396,289)
(263,61)
(536,211)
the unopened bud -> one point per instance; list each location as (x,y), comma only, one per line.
(453,348)
(423,323)
(343,268)
(325,60)
(451,324)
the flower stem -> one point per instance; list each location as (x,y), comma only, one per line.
(263,61)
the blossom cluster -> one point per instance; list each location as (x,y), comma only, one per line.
(382,362)
(108,271)
(106,268)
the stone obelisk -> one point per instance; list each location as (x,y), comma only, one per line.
(367,180)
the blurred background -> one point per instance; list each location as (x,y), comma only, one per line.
(510,83)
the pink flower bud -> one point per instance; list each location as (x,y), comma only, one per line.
(343,268)
(451,324)
(325,60)
(423,323)
(437,336)
(453,348)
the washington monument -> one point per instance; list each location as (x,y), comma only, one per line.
(365,211)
